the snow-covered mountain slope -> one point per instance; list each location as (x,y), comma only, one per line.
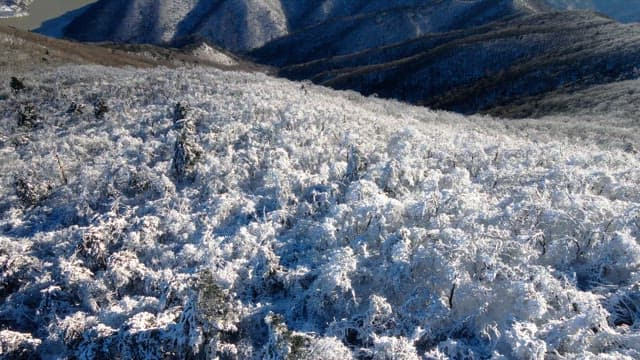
(350,35)
(234,24)
(241,25)
(621,10)
(173,213)
(483,67)
(14,8)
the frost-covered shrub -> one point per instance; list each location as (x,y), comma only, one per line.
(100,108)
(75,108)
(280,344)
(332,294)
(523,342)
(356,164)
(28,117)
(327,348)
(99,242)
(16,269)
(624,307)
(31,190)
(186,154)
(138,181)
(380,319)
(215,305)
(186,151)
(388,348)
(290,345)
(16,85)
(72,328)
(320,198)
(18,346)
(179,113)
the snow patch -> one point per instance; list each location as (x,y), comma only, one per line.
(14,8)
(209,53)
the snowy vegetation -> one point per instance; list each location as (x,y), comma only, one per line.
(196,213)
(14,8)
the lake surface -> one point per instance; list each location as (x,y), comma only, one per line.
(43,10)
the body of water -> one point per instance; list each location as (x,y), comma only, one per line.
(43,10)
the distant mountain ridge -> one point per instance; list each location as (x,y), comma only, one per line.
(242,25)
(479,68)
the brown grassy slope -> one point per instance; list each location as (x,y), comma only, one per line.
(22,51)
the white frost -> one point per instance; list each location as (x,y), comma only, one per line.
(261,219)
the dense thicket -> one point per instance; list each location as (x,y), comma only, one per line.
(259,219)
